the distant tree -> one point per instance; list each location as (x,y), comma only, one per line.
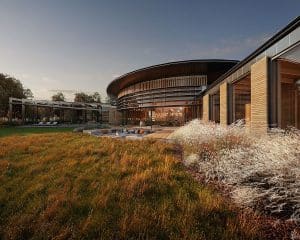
(110,100)
(83,97)
(96,97)
(107,99)
(28,94)
(58,97)
(11,87)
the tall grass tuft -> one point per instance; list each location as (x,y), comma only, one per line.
(263,172)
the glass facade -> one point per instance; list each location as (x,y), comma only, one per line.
(214,101)
(171,101)
(241,97)
(165,116)
(289,88)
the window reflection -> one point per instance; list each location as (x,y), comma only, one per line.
(168,116)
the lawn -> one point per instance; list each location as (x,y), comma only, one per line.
(7,131)
(73,186)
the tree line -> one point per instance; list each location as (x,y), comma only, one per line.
(79,97)
(12,87)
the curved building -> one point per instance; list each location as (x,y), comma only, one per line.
(165,93)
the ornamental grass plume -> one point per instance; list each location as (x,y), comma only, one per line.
(263,172)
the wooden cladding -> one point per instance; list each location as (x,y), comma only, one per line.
(259,96)
(248,116)
(181,81)
(205,115)
(223,104)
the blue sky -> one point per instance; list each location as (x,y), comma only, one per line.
(77,45)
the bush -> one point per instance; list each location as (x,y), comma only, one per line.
(263,173)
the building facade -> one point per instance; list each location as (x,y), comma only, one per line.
(263,89)
(165,94)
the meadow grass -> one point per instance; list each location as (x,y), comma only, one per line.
(73,186)
(8,131)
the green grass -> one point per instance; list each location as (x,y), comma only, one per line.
(7,131)
(73,186)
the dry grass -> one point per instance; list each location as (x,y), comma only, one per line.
(72,186)
(10,130)
(262,172)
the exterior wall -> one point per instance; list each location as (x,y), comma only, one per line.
(248,116)
(223,104)
(170,85)
(105,116)
(205,115)
(177,91)
(259,96)
(114,117)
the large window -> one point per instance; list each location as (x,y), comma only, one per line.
(241,97)
(289,89)
(214,101)
(170,116)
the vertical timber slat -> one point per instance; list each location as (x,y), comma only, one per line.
(223,104)
(205,108)
(259,96)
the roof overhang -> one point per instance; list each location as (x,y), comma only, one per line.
(171,69)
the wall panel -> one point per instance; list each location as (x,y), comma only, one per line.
(259,96)
(223,104)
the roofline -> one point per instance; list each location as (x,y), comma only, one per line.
(168,64)
(279,35)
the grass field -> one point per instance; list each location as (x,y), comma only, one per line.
(7,131)
(73,186)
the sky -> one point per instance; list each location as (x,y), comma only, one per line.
(82,45)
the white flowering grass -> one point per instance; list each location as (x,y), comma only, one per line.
(262,171)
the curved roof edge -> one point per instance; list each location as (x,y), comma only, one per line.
(114,81)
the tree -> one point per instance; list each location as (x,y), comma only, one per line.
(11,87)
(96,97)
(58,97)
(110,100)
(83,97)
(28,94)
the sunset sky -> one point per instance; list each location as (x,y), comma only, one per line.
(73,45)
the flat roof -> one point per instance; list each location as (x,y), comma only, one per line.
(278,36)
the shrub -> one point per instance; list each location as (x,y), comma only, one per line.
(263,172)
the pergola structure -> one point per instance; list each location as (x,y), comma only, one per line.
(37,110)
